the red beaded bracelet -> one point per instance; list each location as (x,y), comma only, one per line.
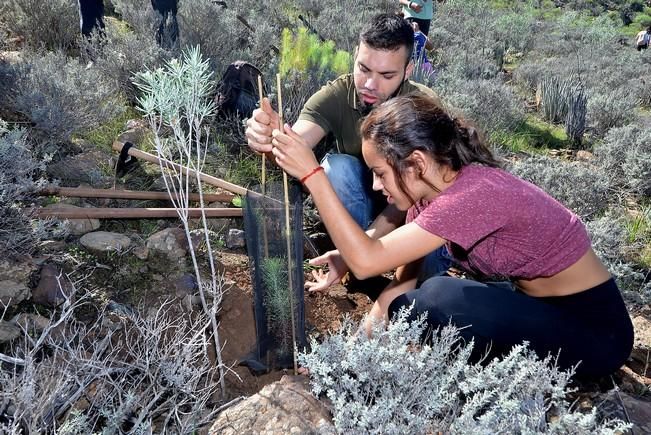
(312,172)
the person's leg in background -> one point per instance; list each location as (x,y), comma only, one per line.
(91,16)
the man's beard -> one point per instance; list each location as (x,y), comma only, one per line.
(365,108)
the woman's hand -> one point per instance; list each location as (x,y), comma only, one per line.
(336,271)
(292,153)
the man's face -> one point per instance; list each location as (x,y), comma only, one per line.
(379,73)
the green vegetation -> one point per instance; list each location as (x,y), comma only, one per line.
(303,51)
(104,135)
(533,135)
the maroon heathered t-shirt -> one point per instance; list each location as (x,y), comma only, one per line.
(506,227)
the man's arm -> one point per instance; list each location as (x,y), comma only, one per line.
(264,120)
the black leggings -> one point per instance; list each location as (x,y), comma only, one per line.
(591,327)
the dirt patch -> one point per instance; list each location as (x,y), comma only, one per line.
(324,312)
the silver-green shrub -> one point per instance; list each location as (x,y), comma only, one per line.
(61,96)
(580,187)
(19,177)
(625,153)
(612,108)
(489,103)
(120,53)
(52,26)
(609,241)
(391,383)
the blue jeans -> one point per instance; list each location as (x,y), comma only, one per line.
(353,184)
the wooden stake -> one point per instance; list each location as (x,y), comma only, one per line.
(209,179)
(287,228)
(133,213)
(265,240)
(87,192)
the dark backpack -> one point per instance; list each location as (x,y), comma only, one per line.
(238,90)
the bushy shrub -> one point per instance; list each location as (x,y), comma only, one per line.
(52,26)
(19,177)
(609,241)
(490,103)
(143,374)
(581,188)
(120,53)
(612,109)
(60,96)
(391,383)
(625,153)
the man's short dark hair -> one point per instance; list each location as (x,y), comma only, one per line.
(388,32)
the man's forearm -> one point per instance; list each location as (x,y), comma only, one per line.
(387,221)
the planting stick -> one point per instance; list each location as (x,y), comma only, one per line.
(209,179)
(133,213)
(265,241)
(287,228)
(87,192)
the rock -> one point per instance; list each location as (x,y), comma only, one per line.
(12,292)
(48,246)
(81,168)
(235,239)
(78,227)
(584,155)
(9,331)
(641,354)
(135,133)
(14,281)
(52,288)
(184,285)
(170,241)
(31,322)
(140,252)
(284,407)
(617,404)
(104,241)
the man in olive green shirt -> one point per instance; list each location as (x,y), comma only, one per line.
(381,71)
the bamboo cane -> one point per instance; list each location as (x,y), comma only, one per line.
(287,229)
(265,239)
(133,213)
(87,192)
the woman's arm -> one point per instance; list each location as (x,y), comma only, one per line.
(364,256)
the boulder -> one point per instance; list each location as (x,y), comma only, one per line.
(284,407)
(9,331)
(104,241)
(14,281)
(81,168)
(53,287)
(617,404)
(170,241)
(235,239)
(78,227)
(641,354)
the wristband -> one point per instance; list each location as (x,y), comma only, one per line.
(312,172)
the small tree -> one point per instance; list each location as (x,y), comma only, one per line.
(178,97)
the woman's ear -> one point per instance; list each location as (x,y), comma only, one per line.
(419,162)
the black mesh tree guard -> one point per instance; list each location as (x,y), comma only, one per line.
(266,241)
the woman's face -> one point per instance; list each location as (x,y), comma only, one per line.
(384,178)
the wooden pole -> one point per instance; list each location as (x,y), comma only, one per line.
(209,179)
(287,229)
(263,187)
(133,213)
(87,192)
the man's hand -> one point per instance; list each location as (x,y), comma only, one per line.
(336,270)
(415,7)
(259,127)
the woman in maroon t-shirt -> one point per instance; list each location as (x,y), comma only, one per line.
(535,275)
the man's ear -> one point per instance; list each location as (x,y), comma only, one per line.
(409,69)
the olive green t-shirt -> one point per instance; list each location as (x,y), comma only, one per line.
(335,108)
